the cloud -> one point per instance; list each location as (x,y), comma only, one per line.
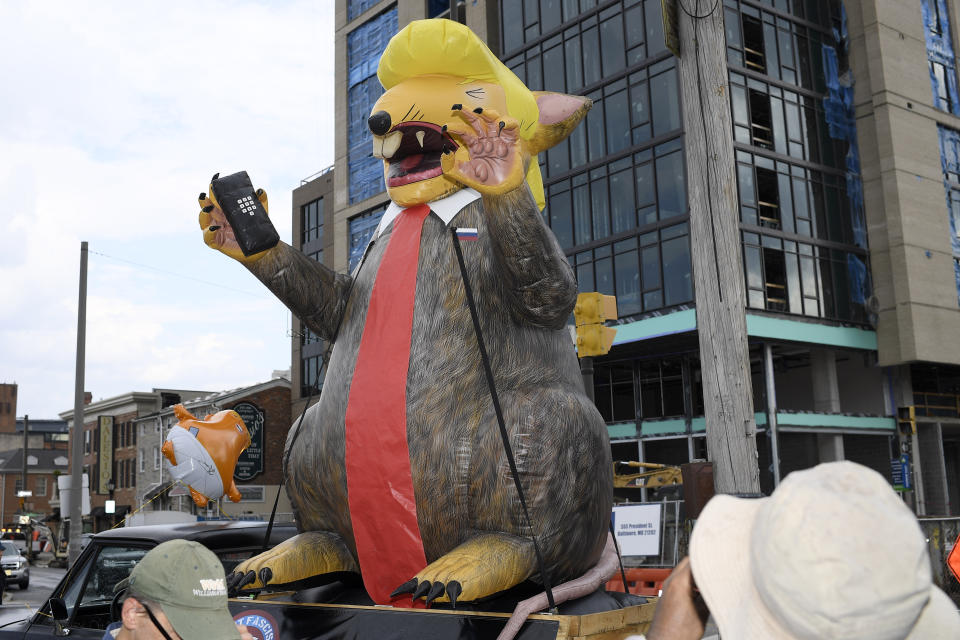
(114,117)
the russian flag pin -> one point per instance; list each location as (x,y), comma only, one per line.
(466,233)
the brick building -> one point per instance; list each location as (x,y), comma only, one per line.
(8,407)
(43,467)
(265,408)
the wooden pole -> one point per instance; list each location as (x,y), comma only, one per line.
(715,247)
(76,438)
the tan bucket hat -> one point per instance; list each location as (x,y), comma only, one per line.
(833,553)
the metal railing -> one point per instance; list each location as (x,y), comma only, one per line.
(936,405)
(316,175)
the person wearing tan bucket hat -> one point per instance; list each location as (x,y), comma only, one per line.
(832,553)
(177,590)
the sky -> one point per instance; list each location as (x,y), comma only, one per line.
(113,118)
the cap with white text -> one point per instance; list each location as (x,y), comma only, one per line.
(187,580)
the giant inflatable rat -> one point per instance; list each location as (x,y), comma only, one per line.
(459,132)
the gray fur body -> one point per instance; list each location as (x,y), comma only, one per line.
(525,290)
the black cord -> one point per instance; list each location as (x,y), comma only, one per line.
(544,576)
(696,17)
(616,547)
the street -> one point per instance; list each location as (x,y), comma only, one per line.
(18,604)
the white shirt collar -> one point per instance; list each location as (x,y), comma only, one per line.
(446,208)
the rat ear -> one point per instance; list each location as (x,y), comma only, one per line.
(560,113)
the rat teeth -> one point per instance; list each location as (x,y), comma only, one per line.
(420,138)
(391,143)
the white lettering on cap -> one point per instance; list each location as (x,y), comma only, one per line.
(211,587)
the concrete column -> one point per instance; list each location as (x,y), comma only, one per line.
(826,397)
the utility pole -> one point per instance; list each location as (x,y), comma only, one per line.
(76,440)
(715,248)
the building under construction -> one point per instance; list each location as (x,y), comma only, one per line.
(845,130)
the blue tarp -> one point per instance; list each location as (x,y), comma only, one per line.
(364,46)
(950,162)
(842,125)
(936,28)
(356,7)
(361,229)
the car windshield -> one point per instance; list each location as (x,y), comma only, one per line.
(9,549)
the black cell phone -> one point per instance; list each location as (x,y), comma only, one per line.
(239,202)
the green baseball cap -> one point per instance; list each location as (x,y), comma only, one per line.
(187,580)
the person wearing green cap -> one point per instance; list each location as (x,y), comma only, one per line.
(176,592)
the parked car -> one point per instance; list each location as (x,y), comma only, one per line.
(81,605)
(87,588)
(15,565)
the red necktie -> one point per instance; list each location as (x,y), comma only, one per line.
(383,508)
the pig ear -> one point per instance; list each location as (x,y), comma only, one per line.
(560,113)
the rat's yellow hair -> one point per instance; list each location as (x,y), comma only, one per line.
(444,47)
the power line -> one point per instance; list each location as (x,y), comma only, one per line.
(178,275)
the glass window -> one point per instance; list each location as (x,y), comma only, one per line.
(360,229)
(622,209)
(671,187)
(666,106)
(311,221)
(611,43)
(628,283)
(112,565)
(364,46)
(942,60)
(618,121)
(512,20)
(437,7)
(676,271)
(560,219)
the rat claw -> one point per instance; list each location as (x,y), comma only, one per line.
(453,590)
(422,589)
(248,578)
(406,587)
(265,575)
(435,592)
(232,581)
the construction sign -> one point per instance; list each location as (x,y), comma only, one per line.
(953,559)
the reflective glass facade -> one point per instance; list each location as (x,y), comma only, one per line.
(616,188)
(361,228)
(940,57)
(364,46)
(950,160)
(798,167)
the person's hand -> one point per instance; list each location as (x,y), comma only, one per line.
(681,613)
(244,634)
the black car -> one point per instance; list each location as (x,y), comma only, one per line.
(87,588)
(83,601)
